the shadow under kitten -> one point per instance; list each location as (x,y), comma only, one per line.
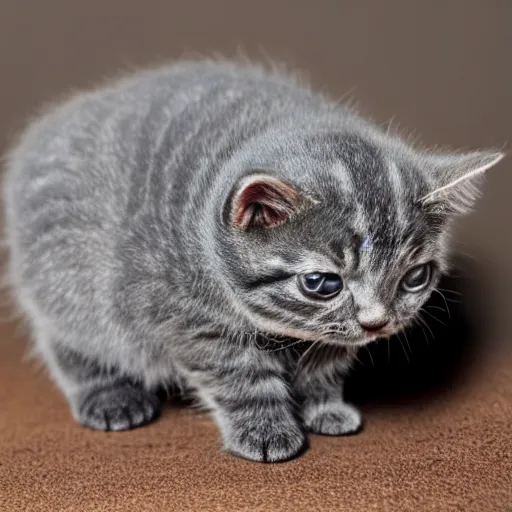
(432,357)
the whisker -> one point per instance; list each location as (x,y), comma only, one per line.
(286,346)
(445,301)
(370,354)
(454,301)
(303,356)
(422,320)
(356,357)
(407,341)
(403,348)
(459,249)
(451,291)
(424,334)
(436,307)
(432,316)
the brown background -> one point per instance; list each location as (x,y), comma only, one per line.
(441,69)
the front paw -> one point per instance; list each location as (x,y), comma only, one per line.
(267,442)
(332,418)
(117,406)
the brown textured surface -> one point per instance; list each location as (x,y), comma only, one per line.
(451,454)
(442,68)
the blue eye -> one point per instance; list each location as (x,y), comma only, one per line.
(320,285)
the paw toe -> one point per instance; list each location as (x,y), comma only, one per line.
(265,445)
(118,407)
(339,420)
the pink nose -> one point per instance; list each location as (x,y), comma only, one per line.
(374,326)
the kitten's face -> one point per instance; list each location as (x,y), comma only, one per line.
(349,290)
(345,253)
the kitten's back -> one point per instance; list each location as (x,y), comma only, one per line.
(86,175)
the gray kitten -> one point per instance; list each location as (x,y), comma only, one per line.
(222,228)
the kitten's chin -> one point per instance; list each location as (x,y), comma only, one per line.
(331,339)
(356,342)
(286,332)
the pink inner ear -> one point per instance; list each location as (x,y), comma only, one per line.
(265,203)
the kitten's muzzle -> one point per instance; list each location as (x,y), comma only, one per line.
(374,326)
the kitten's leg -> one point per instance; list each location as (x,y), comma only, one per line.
(101,399)
(321,388)
(251,403)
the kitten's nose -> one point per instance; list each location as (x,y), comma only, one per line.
(374,325)
(371,313)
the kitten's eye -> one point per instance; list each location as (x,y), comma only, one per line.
(418,278)
(320,286)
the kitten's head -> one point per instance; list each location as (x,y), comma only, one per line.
(342,237)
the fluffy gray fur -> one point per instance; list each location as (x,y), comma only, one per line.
(157,227)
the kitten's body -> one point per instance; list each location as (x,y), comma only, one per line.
(132,272)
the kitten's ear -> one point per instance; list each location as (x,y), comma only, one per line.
(457,180)
(260,200)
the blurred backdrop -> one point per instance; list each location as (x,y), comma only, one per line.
(440,69)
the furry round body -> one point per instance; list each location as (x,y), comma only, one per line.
(164,226)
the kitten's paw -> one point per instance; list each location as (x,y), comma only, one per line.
(277,443)
(118,406)
(333,419)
